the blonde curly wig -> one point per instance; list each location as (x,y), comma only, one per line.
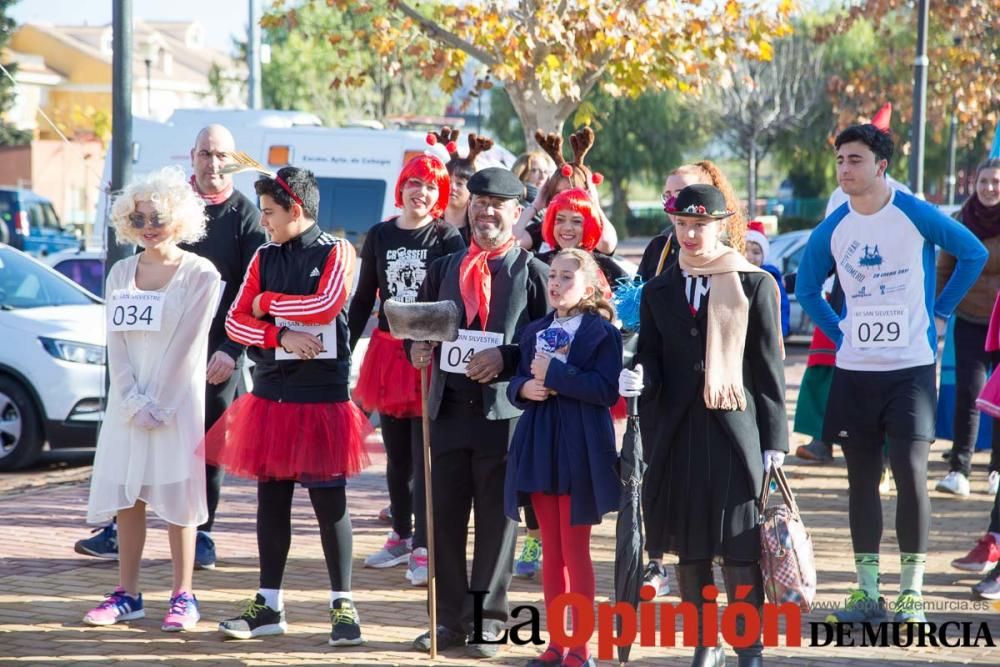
(173,198)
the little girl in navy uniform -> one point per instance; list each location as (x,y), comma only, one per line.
(562,457)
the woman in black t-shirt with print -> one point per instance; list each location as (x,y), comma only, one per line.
(394,261)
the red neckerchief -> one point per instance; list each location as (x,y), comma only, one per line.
(475,281)
(216,198)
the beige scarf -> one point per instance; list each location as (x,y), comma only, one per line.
(728,318)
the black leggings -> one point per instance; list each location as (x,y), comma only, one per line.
(908,460)
(274,531)
(972,367)
(404,475)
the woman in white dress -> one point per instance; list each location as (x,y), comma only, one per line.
(159,306)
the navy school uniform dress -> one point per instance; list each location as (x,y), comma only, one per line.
(566,444)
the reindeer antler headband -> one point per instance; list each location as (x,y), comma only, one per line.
(447,138)
(580,141)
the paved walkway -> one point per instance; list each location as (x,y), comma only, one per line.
(45,588)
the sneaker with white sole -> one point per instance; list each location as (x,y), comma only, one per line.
(981,557)
(256,620)
(345,624)
(183,614)
(993,483)
(416,571)
(954,483)
(117,607)
(104,543)
(395,551)
(655,575)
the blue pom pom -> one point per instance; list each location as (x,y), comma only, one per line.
(627,295)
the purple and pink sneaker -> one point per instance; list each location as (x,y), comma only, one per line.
(117,607)
(183,614)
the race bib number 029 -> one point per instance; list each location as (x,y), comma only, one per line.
(455,356)
(327,334)
(135,310)
(880,326)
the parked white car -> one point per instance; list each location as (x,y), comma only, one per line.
(52,361)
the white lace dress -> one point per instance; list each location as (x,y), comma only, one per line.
(164,370)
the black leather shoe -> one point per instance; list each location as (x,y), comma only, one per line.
(482,649)
(709,656)
(446,639)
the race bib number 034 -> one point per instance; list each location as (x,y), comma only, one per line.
(880,326)
(327,334)
(135,310)
(455,356)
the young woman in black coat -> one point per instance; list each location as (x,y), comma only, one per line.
(710,364)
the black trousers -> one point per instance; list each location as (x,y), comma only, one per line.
(468,470)
(972,366)
(995,514)
(218,397)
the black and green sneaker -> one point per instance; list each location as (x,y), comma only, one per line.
(859,608)
(256,620)
(346,630)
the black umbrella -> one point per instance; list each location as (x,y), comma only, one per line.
(628,530)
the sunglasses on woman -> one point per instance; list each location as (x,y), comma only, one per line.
(138,221)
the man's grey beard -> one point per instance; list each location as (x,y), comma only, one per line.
(491,238)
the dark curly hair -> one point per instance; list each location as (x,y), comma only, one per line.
(878,141)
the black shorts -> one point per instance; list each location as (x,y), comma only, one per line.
(870,406)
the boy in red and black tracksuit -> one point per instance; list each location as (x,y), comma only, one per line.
(298,424)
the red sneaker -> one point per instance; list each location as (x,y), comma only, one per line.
(983,556)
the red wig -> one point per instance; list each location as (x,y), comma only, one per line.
(428,169)
(579,201)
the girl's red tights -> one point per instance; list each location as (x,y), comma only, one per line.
(566,564)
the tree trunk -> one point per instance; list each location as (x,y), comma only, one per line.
(619,205)
(752,179)
(537,113)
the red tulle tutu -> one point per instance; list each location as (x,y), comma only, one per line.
(388,383)
(268,440)
(619,410)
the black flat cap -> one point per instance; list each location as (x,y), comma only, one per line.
(496,182)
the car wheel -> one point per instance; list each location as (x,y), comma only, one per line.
(20,435)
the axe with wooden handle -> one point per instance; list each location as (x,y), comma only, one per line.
(435,321)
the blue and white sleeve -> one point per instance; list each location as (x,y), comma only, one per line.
(816,264)
(956,239)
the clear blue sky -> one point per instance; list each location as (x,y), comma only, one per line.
(221,18)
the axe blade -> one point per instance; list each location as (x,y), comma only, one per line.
(430,321)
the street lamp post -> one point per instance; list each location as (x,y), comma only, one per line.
(919,102)
(149,86)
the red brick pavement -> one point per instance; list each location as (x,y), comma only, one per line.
(45,588)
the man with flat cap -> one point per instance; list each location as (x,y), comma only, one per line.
(498,289)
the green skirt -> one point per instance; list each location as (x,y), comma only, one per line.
(811,406)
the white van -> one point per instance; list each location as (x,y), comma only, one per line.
(356,167)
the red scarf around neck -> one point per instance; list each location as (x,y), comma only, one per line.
(475,281)
(216,198)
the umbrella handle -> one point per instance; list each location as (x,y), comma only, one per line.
(632,406)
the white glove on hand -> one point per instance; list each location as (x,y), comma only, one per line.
(630,382)
(773,458)
(145,420)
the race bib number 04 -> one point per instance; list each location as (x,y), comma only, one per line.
(327,334)
(880,326)
(135,310)
(455,356)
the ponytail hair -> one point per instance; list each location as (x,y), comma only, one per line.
(599,302)
(736,225)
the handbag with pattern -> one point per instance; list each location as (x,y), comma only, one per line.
(786,558)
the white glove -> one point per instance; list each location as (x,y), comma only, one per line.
(630,382)
(145,419)
(773,458)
